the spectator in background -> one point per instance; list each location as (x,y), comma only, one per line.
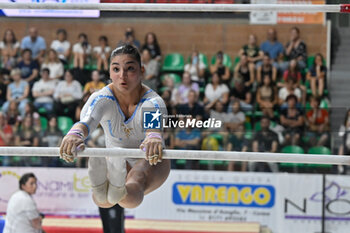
(273,47)
(35,43)
(266,68)
(9,47)
(266,96)
(3,89)
(166,96)
(6,132)
(180,93)
(292,119)
(52,137)
(13,117)
(217,112)
(245,70)
(216,91)
(54,64)
(29,67)
(43,91)
(265,140)
(289,89)
(102,53)
(151,70)
(81,104)
(252,50)
(26,135)
(62,46)
(151,43)
(95,83)
(17,91)
(317,76)
(196,68)
(220,68)
(295,49)
(236,117)
(81,51)
(130,38)
(31,111)
(317,122)
(237,142)
(293,72)
(242,93)
(344,132)
(22,215)
(67,95)
(192,107)
(187,139)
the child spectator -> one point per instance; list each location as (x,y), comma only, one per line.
(62,46)
(81,51)
(102,53)
(317,76)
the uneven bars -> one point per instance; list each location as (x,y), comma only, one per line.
(184,154)
(335,8)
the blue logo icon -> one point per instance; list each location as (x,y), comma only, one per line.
(151,119)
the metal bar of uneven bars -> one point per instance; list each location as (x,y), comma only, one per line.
(184,154)
(181,7)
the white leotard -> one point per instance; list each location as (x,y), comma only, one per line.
(103,108)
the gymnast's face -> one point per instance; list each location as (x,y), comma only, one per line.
(125,72)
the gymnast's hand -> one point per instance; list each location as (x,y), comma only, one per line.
(153,147)
(72,143)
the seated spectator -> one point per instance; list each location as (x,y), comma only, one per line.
(187,139)
(317,76)
(151,43)
(292,119)
(266,96)
(62,46)
(9,47)
(81,51)
(13,117)
(265,140)
(180,93)
(266,68)
(29,67)
(289,89)
(196,68)
(27,136)
(192,107)
(237,142)
(220,68)
(236,117)
(102,53)
(216,91)
(130,38)
(6,132)
(166,96)
(3,89)
(17,91)
(168,83)
(67,95)
(30,111)
(242,93)
(293,72)
(43,91)
(245,70)
(317,121)
(252,50)
(273,47)
(54,64)
(151,70)
(95,84)
(217,112)
(35,43)
(52,137)
(344,133)
(295,49)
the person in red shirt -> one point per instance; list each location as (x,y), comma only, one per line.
(317,121)
(6,133)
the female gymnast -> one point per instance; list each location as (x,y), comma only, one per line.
(118,108)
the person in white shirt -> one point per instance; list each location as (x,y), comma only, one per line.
(102,53)
(289,89)
(216,91)
(53,63)
(67,95)
(119,108)
(62,46)
(81,51)
(43,91)
(22,215)
(196,68)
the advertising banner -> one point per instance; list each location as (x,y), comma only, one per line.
(51,13)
